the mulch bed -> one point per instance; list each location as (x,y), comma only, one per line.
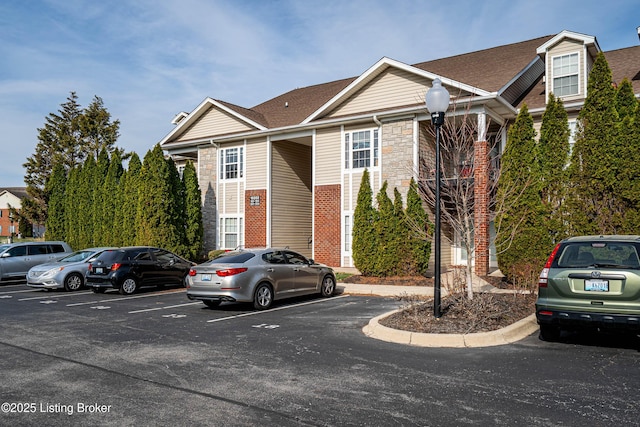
(485,312)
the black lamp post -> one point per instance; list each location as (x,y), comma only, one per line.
(437,100)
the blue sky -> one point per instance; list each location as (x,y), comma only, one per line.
(151,59)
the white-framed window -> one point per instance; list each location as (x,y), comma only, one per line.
(361,149)
(565,75)
(230,232)
(231,163)
(573,125)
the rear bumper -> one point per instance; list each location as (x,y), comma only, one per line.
(567,318)
(201,297)
(98,282)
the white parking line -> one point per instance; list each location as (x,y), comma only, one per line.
(164,308)
(253,313)
(125,298)
(49,296)
(17,292)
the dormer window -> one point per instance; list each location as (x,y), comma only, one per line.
(565,75)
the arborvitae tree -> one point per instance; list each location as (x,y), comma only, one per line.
(154,223)
(520,216)
(126,214)
(385,228)
(399,238)
(84,207)
(627,185)
(593,205)
(194,229)
(99,198)
(111,199)
(72,201)
(363,240)
(55,188)
(552,160)
(176,208)
(419,231)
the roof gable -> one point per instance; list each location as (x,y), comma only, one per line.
(212,118)
(359,95)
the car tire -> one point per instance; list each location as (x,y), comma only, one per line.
(73,282)
(98,290)
(129,286)
(263,297)
(328,286)
(549,333)
(212,303)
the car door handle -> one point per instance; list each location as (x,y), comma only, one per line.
(270,270)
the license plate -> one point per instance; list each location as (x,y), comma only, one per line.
(596,285)
(99,270)
(206,277)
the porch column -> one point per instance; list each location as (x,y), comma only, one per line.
(481,196)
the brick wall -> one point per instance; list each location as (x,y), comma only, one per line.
(255,218)
(481,214)
(327,225)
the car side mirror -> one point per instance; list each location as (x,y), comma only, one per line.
(311,261)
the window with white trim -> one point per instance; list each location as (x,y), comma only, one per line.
(231,163)
(230,232)
(361,149)
(565,75)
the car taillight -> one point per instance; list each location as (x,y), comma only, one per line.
(115,266)
(192,272)
(230,271)
(543,280)
(89,267)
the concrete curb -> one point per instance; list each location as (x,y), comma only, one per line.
(507,335)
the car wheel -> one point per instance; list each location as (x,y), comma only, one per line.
(129,286)
(549,332)
(263,297)
(73,282)
(328,286)
(98,290)
(211,303)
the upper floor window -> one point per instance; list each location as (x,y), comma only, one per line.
(565,75)
(232,163)
(361,149)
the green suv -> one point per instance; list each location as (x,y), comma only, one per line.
(592,282)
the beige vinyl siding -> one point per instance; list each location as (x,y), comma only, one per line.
(256,164)
(213,122)
(291,197)
(231,196)
(393,88)
(568,47)
(328,156)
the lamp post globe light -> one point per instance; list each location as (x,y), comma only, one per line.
(437,100)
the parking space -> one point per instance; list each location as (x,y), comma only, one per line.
(158,358)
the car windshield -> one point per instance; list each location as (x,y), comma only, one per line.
(233,258)
(599,254)
(77,256)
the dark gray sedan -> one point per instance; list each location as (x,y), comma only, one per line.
(260,276)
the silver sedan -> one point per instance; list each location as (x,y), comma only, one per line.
(260,276)
(67,273)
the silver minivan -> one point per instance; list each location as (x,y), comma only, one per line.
(17,258)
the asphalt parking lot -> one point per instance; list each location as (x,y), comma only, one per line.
(157,358)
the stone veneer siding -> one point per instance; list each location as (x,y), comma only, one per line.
(255,218)
(207,167)
(327,225)
(397,155)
